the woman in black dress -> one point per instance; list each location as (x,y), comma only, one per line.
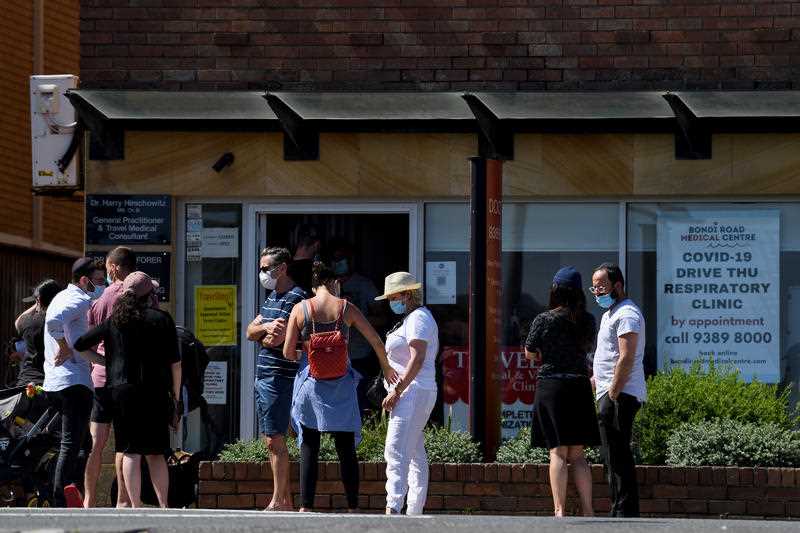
(144,373)
(564,415)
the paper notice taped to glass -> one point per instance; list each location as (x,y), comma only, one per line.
(215,383)
(440,282)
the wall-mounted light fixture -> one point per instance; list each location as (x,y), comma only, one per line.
(225,160)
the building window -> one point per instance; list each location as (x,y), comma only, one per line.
(538,239)
(721,281)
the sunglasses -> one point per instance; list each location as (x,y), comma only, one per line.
(269,270)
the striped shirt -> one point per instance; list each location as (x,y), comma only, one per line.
(270,360)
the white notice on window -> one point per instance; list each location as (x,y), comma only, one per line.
(215,389)
(220,242)
(440,282)
(718,290)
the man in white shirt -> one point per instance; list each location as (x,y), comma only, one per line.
(67,375)
(620,383)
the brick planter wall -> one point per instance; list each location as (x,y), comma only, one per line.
(704,492)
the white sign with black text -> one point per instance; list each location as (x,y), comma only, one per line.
(718,290)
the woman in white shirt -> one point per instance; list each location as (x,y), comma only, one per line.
(412,346)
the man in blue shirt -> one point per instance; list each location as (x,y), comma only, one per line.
(67,375)
(274,373)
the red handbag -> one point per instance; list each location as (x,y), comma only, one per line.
(327,351)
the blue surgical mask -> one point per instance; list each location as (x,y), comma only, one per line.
(97,292)
(605,300)
(109,281)
(398,307)
(340,267)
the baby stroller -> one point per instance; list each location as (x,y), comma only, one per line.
(28,449)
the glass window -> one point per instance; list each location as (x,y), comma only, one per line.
(538,239)
(212,288)
(718,280)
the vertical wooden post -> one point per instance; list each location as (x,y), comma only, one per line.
(485,314)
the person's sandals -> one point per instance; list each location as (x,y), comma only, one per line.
(279,509)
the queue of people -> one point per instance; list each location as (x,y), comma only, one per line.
(306,379)
(107,317)
(565,419)
(106,355)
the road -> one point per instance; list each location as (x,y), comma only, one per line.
(167,520)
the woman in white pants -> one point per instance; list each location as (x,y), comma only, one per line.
(411,346)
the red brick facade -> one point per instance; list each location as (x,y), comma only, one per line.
(705,492)
(440,44)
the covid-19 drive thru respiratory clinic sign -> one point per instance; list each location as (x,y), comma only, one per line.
(718,290)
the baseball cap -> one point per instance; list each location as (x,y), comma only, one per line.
(44,291)
(568,277)
(84,266)
(139,283)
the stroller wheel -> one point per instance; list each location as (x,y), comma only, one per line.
(37,501)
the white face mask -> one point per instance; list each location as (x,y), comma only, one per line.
(267,281)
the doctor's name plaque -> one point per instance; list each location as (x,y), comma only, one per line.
(127,219)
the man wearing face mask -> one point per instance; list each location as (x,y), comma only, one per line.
(274,373)
(619,378)
(67,374)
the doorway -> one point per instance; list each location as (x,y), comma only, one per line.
(373,239)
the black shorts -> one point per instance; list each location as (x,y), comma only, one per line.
(141,421)
(103,409)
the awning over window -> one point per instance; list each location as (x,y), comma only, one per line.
(495,116)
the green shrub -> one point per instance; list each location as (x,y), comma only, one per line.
(519,450)
(733,443)
(252,451)
(445,446)
(373,438)
(676,396)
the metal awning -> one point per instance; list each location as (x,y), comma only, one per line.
(494,116)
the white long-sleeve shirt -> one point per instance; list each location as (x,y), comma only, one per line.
(66,318)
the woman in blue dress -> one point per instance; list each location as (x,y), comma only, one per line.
(328,405)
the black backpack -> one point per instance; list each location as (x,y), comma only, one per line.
(194,360)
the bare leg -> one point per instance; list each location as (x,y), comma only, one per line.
(279,458)
(123,500)
(160,478)
(583,478)
(94,462)
(558,478)
(132,473)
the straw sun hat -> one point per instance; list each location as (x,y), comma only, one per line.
(399,282)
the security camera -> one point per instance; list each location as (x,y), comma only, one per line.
(222,162)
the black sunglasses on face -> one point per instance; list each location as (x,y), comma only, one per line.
(269,270)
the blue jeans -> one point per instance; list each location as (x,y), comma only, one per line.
(274,404)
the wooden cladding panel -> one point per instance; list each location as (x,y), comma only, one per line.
(63,222)
(375,165)
(350,165)
(16,43)
(62,37)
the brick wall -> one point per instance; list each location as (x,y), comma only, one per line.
(705,492)
(440,44)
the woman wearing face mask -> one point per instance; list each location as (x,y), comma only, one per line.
(324,399)
(144,373)
(412,346)
(564,418)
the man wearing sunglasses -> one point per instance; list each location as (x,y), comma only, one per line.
(620,384)
(274,373)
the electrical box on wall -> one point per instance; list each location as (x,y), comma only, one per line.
(55,136)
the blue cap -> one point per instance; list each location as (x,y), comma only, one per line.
(568,277)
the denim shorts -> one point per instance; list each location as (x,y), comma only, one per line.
(274,404)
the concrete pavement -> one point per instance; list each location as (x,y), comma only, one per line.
(167,520)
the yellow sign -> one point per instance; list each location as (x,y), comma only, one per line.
(215,315)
